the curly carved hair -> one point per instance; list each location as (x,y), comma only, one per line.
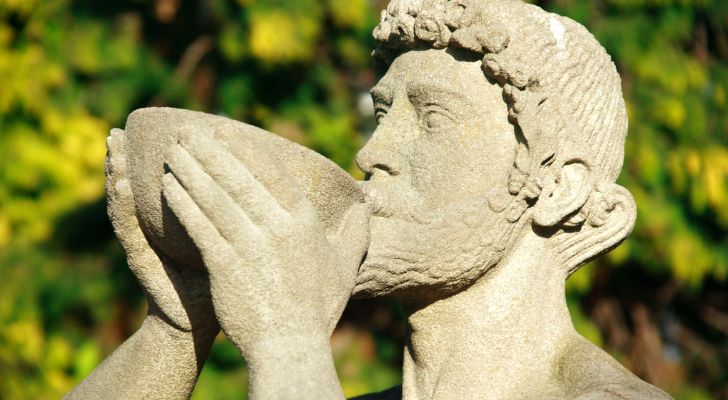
(532,54)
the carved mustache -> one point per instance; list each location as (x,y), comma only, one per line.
(379,199)
(405,205)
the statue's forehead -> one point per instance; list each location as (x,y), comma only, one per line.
(438,65)
(437,70)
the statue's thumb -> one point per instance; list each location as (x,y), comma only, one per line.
(353,234)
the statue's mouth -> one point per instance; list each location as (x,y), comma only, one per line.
(377,200)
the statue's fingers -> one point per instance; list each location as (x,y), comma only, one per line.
(120,203)
(221,210)
(142,260)
(261,161)
(115,158)
(217,252)
(233,177)
(120,208)
(116,141)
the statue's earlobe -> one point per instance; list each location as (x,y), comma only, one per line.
(610,217)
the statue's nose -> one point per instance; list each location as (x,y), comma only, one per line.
(378,157)
(385,152)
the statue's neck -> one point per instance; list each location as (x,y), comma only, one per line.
(498,339)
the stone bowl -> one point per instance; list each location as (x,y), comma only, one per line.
(151,131)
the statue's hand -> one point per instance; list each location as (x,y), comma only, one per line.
(178,296)
(276,277)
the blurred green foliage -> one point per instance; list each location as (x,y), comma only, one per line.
(72,69)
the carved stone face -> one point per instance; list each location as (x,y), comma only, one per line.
(443,146)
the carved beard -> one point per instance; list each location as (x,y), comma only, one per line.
(419,259)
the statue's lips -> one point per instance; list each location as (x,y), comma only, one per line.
(376,195)
(151,131)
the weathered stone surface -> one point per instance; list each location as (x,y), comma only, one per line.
(500,136)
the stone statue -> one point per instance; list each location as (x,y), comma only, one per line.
(491,178)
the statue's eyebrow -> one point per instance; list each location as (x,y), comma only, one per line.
(428,92)
(380,93)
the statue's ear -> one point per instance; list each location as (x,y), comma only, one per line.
(604,222)
(563,193)
(584,219)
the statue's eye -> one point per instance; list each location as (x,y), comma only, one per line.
(379,113)
(436,118)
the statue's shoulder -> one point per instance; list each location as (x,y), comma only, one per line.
(394,393)
(590,373)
